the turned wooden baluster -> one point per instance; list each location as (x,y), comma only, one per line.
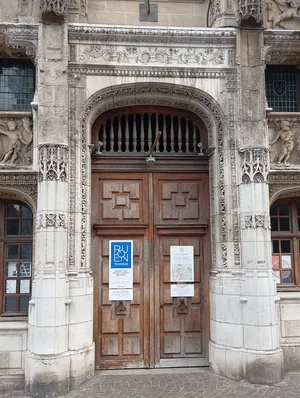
(111,135)
(179,135)
(172,144)
(134,133)
(126,134)
(142,134)
(194,140)
(164,131)
(119,135)
(149,132)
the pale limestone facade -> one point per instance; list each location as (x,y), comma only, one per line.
(86,65)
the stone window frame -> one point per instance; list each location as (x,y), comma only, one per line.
(5,240)
(294,236)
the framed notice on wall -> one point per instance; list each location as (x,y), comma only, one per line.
(182,263)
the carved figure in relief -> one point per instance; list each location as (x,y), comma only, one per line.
(16,140)
(290,10)
(286,136)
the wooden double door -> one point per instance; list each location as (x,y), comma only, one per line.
(156,211)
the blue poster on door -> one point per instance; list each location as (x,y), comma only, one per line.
(120,264)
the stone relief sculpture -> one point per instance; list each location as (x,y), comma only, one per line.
(283,14)
(15,144)
(286,138)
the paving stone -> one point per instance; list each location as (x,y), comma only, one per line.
(175,383)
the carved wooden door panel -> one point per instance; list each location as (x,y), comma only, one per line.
(181,215)
(122,333)
(156,211)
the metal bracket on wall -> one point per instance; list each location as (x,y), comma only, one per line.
(149,14)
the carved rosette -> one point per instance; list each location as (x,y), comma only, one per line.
(53,162)
(58,7)
(250,12)
(255,165)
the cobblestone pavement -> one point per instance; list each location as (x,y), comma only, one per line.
(175,383)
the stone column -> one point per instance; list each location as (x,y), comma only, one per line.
(60,347)
(244,327)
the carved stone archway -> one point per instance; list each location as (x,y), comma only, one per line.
(162,94)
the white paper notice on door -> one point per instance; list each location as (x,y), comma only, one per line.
(182,263)
(182,290)
(120,294)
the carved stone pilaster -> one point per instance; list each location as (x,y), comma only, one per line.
(57,7)
(250,12)
(255,165)
(53,162)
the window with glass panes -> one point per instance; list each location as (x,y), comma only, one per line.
(285,225)
(15,256)
(16,84)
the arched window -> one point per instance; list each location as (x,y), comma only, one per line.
(285,224)
(16,84)
(16,230)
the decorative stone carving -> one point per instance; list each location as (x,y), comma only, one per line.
(255,165)
(15,142)
(283,181)
(283,14)
(58,7)
(250,12)
(56,220)
(259,220)
(53,161)
(152,55)
(286,138)
(25,183)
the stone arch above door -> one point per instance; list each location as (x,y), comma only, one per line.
(159,94)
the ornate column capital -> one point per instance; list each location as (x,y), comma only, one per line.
(250,12)
(57,7)
(53,162)
(254,164)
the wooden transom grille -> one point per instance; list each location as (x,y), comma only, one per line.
(131,132)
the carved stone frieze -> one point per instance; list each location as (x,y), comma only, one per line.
(53,162)
(52,219)
(284,140)
(58,7)
(255,165)
(284,183)
(250,12)
(146,55)
(162,72)
(258,220)
(15,142)
(283,14)
(25,183)
(151,34)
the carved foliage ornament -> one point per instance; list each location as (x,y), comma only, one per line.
(55,220)
(255,165)
(250,12)
(53,161)
(58,7)
(259,220)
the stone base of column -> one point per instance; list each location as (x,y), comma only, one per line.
(257,367)
(55,375)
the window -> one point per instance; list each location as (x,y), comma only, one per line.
(281,88)
(15,257)
(16,85)
(285,225)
